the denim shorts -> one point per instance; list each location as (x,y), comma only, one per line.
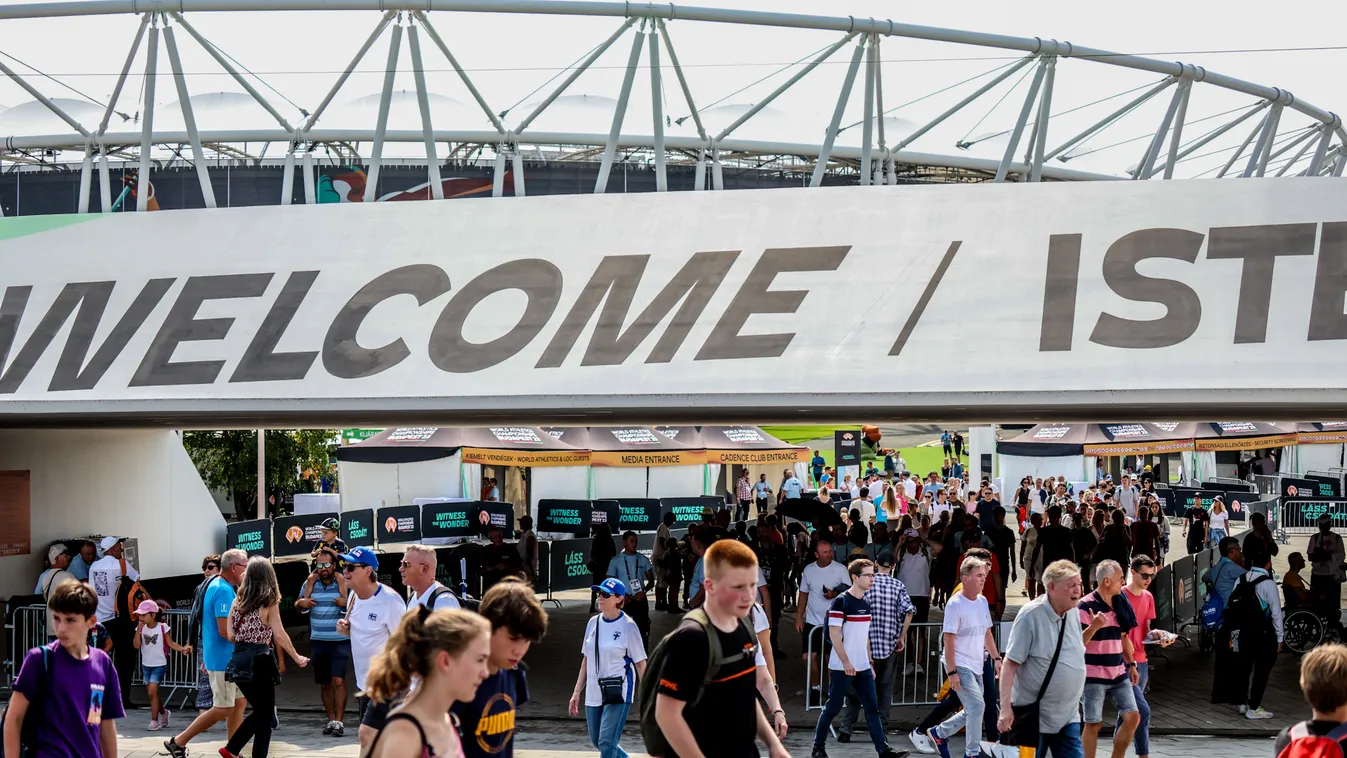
(153,674)
(1124,699)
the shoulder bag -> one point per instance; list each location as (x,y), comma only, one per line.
(1024,730)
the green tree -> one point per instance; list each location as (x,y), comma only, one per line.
(227,461)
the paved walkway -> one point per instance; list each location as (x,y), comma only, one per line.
(301,737)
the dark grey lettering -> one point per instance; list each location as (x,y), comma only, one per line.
(614,284)
(71,373)
(1059,293)
(345,358)
(1259,246)
(1327,320)
(1182,304)
(538,279)
(914,317)
(726,342)
(261,362)
(182,325)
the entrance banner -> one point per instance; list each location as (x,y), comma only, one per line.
(1246,443)
(449,520)
(252,537)
(296,535)
(399,523)
(357,528)
(564,516)
(1093,278)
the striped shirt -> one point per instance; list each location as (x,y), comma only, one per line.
(324,616)
(1104,662)
(852,614)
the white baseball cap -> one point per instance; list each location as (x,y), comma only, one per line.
(56,551)
(108,542)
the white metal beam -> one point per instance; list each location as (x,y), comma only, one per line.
(1263,148)
(619,113)
(1041,123)
(41,98)
(570,79)
(657,113)
(1257,130)
(1177,133)
(189,118)
(126,71)
(802,73)
(682,80)
(350,67)
(979,92)
(381,126)
(1110,118)
(867,110)
(147,120)
(1211,136)
(1147,162)
(467,81)
(1321,150)
(879,111)
(423,103)
(215,53)
(310,178)
(830,137)
(1003,170)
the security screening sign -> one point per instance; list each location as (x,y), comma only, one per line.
(1141,298)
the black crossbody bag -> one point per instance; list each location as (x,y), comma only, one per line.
(1024,731)
(612,689)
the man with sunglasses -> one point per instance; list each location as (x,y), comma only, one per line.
(373,611)
(324,600)
(1143,606)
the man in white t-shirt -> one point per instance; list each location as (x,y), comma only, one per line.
(1127,497)
(968,638)
(418,574)
(106,576)
(820,584)
(373,611)
(914,571)
(59,558)
(909,485)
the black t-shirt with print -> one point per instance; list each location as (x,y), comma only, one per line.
(1196,516)
(487,723)
(724,720)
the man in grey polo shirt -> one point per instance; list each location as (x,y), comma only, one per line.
(1033,639)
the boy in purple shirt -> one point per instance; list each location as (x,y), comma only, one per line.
(68,689)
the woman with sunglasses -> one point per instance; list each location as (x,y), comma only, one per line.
(210,568)
(611,658)
(1143,606)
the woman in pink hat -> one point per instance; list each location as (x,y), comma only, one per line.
(154,639)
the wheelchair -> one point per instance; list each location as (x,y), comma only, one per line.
(1307,627)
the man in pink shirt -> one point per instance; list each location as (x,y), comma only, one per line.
(1143,605)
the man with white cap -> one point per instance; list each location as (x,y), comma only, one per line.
(106,577)
(59,558)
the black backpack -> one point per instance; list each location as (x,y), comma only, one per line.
(1244,611)
(28,734)
(468,602)
(656,744)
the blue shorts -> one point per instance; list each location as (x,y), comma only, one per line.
(329,660)
(1121,693)
(153,674)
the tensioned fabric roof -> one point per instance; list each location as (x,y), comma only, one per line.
(745,445)
(494,445)
(629,446)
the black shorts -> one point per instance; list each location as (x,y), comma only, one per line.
(329,659)
(373,713)
(824,648)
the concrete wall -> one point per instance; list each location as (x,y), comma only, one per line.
(128,483)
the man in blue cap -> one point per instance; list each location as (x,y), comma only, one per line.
(373,611)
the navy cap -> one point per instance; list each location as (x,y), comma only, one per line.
(331,524)
(362,556)
(612,586)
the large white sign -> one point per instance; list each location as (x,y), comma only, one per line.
(1163,298)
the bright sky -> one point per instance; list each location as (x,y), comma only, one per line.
(509,56)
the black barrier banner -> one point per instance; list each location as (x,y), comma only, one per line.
(1168,506)
(448,520)
(1185,591)
(1162,588)
(252,537)
(638,514)
(1305,513)
(1186,496)
(357,528)
(1202,563)
(399,523)
(291,575)
(564,516)
(605,512)
(544,566)
(1326,486)
(1292,487)
(846,448)
(492,513)
(296,535)
(570,564)
(687,510)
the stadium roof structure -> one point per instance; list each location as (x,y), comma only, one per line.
(1017,102)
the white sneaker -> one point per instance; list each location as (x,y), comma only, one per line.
(910,670)
(1243,709)
(920,671)
(920,742)
(1257,713)
(155,725)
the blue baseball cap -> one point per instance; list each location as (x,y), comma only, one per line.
(612,586)
(362,556)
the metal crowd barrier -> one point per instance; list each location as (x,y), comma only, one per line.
(28,629)
(919,675)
